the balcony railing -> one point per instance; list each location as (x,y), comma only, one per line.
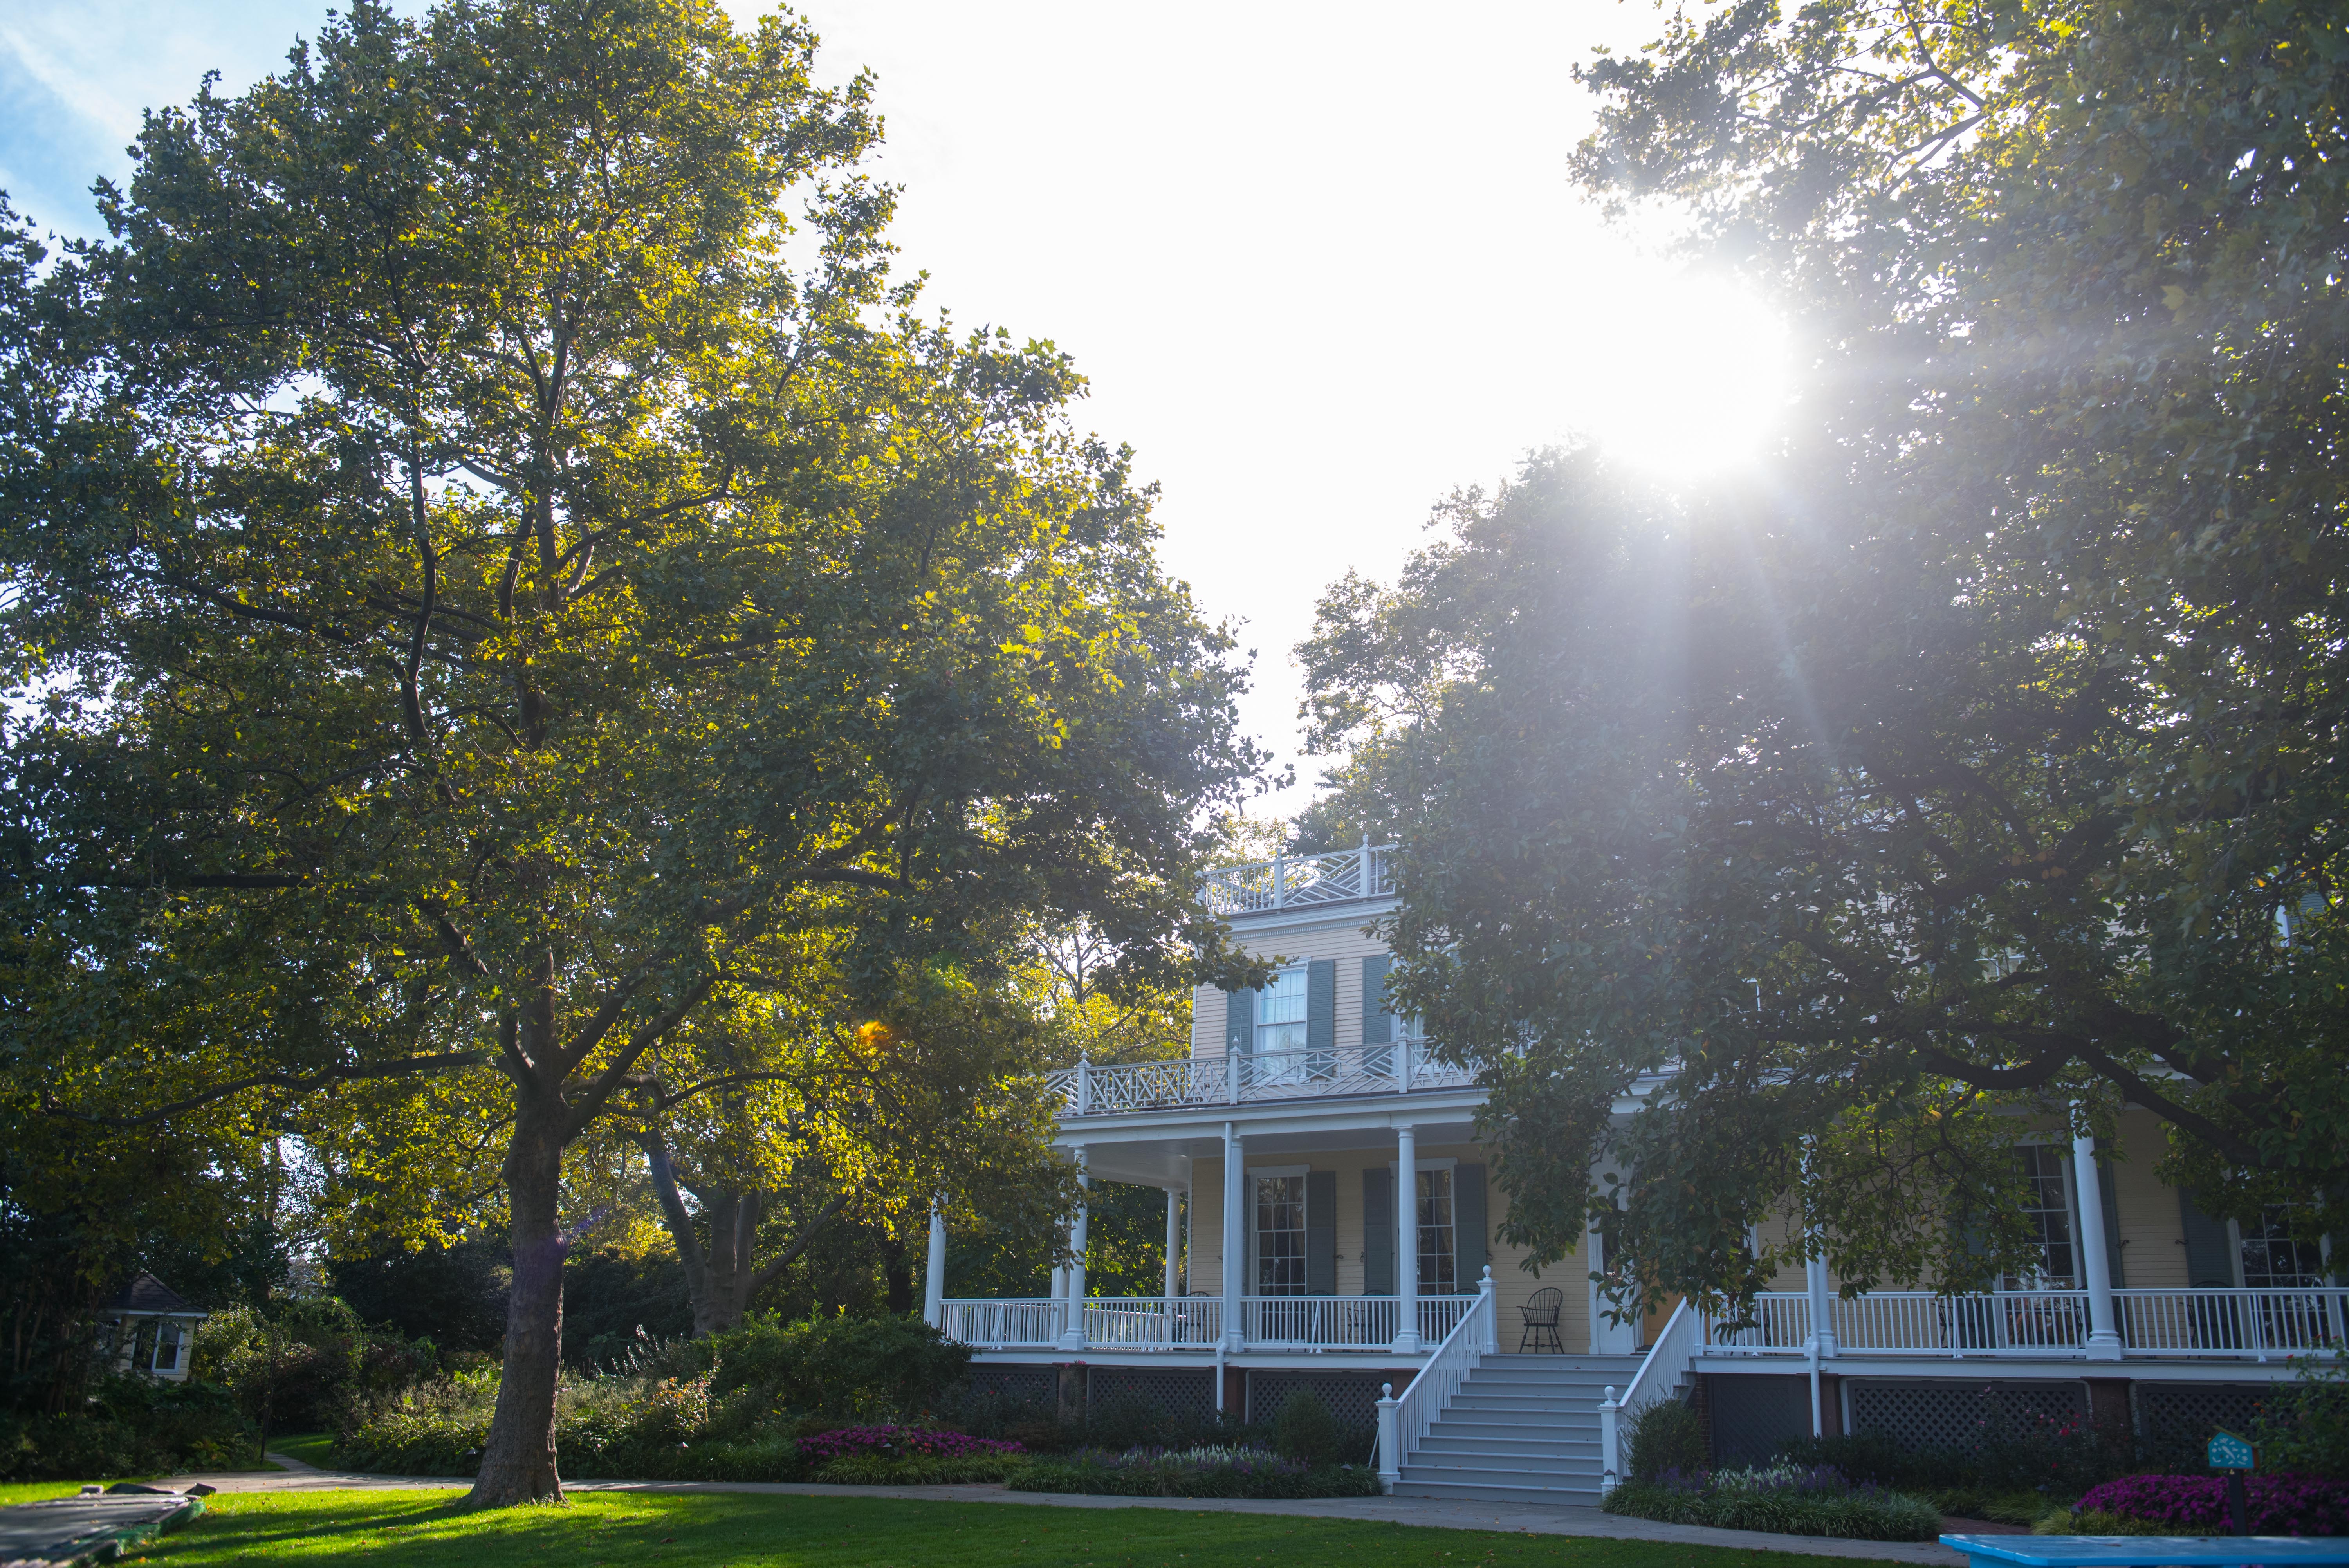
(1242,1077)
(1300,881)
(2258,1324)
(1196,1322)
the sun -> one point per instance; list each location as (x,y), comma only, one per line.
(1678,373)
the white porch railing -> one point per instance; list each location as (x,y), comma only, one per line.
(2258,1324)
(1659,1378)
(1403,1423)
(1033,1323)
(1152,1322)
(1196,1322)
(1089,1091)
(1300,881)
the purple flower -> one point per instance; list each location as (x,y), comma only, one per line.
(2278,1505)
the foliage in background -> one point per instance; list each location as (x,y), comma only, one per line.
(2058,1460)
(305,1364)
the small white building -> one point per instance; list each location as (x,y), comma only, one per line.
(154,1329)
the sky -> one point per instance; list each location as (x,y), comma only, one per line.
(1323,264)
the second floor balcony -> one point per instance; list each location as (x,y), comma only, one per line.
(1245,1077)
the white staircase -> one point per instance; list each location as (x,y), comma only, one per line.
(1521,1429)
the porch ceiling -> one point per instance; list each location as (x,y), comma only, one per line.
(1164,1159)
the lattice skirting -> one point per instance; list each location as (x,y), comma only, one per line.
(1026,1384)
(1180,1396)
(1352,1397)
(2182,1415)
(1751,1415)
(1944,1415)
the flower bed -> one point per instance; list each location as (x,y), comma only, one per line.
(1786,1500)
(2191,1505)
(862,1469)
(1193,1472)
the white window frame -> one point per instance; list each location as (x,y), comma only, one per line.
(1448,1163)
(1254,1277)
(2064,1167)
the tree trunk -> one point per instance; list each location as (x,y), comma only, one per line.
(518,1461)
(900,1275)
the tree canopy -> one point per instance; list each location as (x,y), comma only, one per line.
(1976,764)
(504,578)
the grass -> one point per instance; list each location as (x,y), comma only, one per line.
(310,1448)
(621,1530)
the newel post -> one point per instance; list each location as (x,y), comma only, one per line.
(1488,1335)
(1085,1086)
(1389,1455)
(1610,1442)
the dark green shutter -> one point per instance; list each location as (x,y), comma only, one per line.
(1240,1020)
(1378,1232)
(1320,1232)
(2210,1260)
(1378,1024)
(1468,1223)
(1322,1004)
(2112,1207)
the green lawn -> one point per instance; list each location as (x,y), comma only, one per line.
(310,1448)
(609,1530)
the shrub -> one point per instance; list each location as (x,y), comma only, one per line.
(2097,1523)
(1664,1436)
(130,1426)
(884,1368)
(2305,1428)
(2058,1459)
(2276,1505)
(919,1470)
(897,1443)
(306,1362)
(1304,1429)
(1193,1472)
(1785,1500)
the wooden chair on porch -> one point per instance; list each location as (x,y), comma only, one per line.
(1540,1312)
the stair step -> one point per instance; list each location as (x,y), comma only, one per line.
(1491,1443)
(1493,1491)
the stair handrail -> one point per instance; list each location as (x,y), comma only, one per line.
(1676,1347)
(1476,1335)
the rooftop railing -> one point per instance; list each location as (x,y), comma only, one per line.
(1301,881)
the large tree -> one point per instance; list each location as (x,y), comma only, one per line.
(498,575)
(1980,759)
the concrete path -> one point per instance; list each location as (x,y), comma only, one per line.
(1438,1513)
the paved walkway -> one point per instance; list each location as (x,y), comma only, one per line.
(1440,1514)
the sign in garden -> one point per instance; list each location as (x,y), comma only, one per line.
(2229,1452)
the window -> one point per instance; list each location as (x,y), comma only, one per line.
(1280,1009)
(1439,1272)
(1280,1013)
(1280,1235)
(2273,1261)
(2047,1211)
(167,1346)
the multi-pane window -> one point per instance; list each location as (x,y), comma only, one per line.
(2047,1212)
(1280,1010)
(1280,1013)
(2274,1259)
(1280,1235)
(1439,1272)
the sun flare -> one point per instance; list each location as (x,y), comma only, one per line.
(1682,374)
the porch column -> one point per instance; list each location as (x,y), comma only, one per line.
(934,1282)
(1072,1336)
(2095,1263)
(1406,1340)
(1822,1333)
(1174,1244)
(1235,1234)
